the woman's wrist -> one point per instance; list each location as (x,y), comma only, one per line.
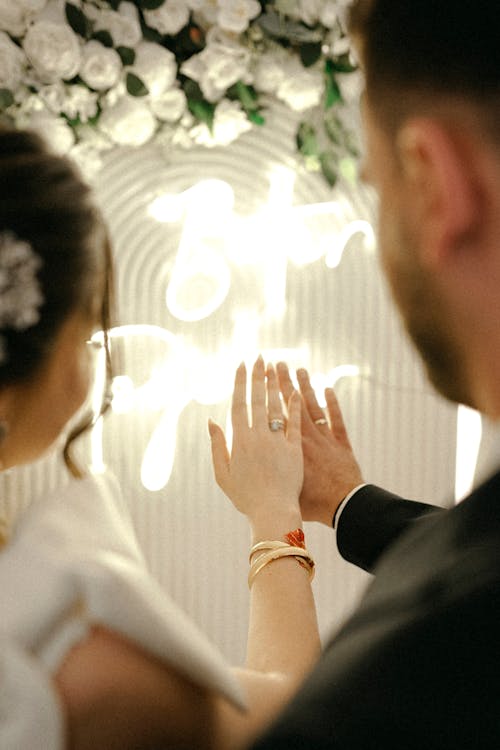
(273,524)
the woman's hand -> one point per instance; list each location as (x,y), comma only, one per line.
(263,473)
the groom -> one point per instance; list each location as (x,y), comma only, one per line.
(418,665)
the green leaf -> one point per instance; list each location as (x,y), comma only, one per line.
(203,111)
(104,37)
(329,167)
(307,140)
(127,55)
(149,34)
(348,169)
(6,98)
(135,86)
(255,117)
(150,4)
(245,94)
(343,64)
(193,91)
(334,130)
(78,21)
(310,53)
(333,94)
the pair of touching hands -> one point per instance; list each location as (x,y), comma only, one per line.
(307,458)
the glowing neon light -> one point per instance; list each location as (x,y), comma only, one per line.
(183,375)
(334,255)
(469,433)
(200,278)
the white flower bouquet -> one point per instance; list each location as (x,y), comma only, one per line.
(93,74)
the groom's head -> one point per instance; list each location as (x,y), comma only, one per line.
(431,112)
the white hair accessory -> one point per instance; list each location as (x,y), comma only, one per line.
(20,292)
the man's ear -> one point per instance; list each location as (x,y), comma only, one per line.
(439,180)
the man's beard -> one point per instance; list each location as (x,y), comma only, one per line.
(427,321)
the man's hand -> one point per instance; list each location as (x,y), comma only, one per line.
(330,467)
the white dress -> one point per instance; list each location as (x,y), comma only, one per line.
(74,561)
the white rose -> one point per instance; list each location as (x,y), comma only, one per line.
(53,96)
(235,15)
(169,18)
(56,132)
(12,18)
(123,25)
(88,159)
(111,97)
(28,105)
(12,63)
(128,123)
(302,88)
(351,86)
(310,11)
(101,66)
(53,49)
(329,14)
(229,122)
(217,68)
(55,10)
(268,73)
(206,12)
(93,137)
(32,6)
(155,66)
(341,46)
(80,103)
(199,4)
(15,15)
(170,106)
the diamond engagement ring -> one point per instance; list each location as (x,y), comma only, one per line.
(276,424)
(321,420)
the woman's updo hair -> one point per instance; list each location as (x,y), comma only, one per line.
(45,203)
(46,206)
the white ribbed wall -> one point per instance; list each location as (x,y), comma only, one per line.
(404,436)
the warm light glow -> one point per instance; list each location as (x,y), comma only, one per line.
(164,389)
(469,433)
(159,455)
(200,279)
(199,284)
(167,209)
(340,242)
(122,390)
(277,239)
(178,374)
(320,381)
(275,235)
(213,241)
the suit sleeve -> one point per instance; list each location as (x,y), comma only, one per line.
(372,521)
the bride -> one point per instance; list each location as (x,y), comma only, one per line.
(93,653)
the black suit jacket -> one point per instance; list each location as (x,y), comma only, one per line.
(418,664)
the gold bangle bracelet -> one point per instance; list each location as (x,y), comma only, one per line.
(301,555)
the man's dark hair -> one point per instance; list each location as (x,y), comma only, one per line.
(430,47)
